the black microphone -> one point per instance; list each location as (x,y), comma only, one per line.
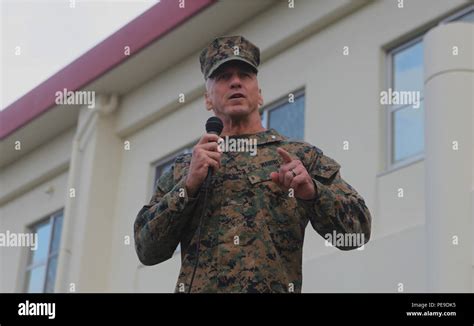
(214,125)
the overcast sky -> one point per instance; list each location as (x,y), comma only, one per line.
(50,34)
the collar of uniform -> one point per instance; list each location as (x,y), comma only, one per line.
(263,137)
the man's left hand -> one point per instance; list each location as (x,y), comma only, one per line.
(292,174)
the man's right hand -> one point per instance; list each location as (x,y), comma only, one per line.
(205,154)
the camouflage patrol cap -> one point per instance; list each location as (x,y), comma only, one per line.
(227,48)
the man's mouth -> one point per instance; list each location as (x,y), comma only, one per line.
(236,95)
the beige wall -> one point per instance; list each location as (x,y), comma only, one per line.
(35,175)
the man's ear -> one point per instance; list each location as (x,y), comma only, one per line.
(208,101)
(260,97)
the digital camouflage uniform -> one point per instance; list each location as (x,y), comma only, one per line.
(252,231)
(243,201)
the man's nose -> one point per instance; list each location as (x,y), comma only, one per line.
(235,81)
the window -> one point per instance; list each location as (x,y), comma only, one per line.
(406,123)
(41,269)
(285,117)
(406,120)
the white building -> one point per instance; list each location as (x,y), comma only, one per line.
(78,176)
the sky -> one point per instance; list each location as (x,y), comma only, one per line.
(40,37)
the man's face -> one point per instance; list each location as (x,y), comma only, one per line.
(232,91)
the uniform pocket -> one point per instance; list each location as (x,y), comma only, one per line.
(277,206)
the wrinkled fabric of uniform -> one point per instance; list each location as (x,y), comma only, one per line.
(252,231)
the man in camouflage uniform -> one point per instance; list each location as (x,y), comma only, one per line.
(258,206)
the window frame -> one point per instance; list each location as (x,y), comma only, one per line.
(391,164)
(51,220)
(458,14)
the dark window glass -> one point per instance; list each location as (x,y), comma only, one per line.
(288,118)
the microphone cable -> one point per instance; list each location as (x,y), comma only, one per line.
(214,125)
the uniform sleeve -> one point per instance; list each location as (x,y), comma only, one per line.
(337,209)
(159,225)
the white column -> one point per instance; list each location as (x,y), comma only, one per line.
(449,89)
(86,238)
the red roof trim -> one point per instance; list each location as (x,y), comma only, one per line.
(145,29)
